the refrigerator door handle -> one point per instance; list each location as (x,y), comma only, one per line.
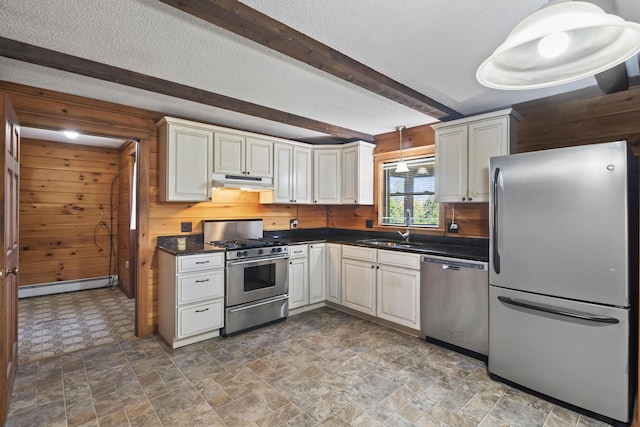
(496,253)
(559,311)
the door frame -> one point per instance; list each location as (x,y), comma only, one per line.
(146,136)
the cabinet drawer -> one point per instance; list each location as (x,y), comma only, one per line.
(359,252)
(399,259)
(200,262)
(200,318)
(206,285)
(298,251)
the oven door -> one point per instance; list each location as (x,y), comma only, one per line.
(256,279)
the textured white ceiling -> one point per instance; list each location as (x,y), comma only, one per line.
(432,46)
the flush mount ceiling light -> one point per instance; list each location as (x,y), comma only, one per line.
(559,44)
(402,165)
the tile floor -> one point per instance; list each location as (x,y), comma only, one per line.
(320,368)
(55,324)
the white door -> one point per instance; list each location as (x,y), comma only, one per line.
(316,272)
(259,158)
(302,175)
(334,259)
(327,176)
(283,173)
(399,295)
(298,282)
(359,286)
(229,154)
(451,164)
(488,138)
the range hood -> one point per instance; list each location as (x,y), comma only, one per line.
(242,182)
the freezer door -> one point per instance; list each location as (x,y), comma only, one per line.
(558,222)
(581,361)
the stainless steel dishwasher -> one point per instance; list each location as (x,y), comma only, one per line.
(454,303)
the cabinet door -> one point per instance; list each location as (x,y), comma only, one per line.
(357,175)
(399,295)
(350,175)
(185,163)
(302,174)
(451,164)
(359,286)
(229,154)
(259,158)
(283,173)
(316,273)
(487,138)
(333,279)
(327,176)
(298,282)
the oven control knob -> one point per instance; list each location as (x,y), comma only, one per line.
(279,249)
(239,254)
(273,250)
(245,253)
(260,251)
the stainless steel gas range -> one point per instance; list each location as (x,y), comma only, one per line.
(256,282)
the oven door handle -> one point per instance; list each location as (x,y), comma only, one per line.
(254,260)
(269,301)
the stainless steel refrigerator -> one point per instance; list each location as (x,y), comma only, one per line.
(563,275)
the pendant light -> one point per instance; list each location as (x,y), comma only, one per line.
(558,44)
(402,165)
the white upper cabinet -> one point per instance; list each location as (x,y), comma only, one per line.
(463,149)
(357,173)
(292,175)
(327,175)
(185,155)
(242,155)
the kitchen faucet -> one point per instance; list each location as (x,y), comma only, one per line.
(407,220)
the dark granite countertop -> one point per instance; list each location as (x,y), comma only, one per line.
(454,247)
(194,245)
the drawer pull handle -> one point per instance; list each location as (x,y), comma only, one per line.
(202,262)
(203,310)
(202,281)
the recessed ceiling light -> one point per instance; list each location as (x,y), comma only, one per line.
(71,134)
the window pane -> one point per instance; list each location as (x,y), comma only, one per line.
(411,190)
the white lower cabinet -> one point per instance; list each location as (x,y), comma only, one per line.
(298,276)
(317,274)
(190,297)
(359,286)
(306,274)
(382,283)
(333,276)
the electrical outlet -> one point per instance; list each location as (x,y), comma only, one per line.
(369,223)
(452,227)
(185,227)
(293,223)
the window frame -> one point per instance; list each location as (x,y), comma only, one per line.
(394,156)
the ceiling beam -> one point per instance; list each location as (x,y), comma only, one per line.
(73,64)
(260,28)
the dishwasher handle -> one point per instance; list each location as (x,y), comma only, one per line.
(454,264)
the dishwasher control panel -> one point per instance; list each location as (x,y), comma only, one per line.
(462,263)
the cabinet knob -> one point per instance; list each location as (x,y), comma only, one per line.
(464,198)
(373,266)
(248,173)
(13,271)
(470,199)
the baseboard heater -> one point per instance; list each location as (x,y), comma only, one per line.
(66,286)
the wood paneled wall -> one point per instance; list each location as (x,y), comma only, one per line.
(65,195)
(572,119)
